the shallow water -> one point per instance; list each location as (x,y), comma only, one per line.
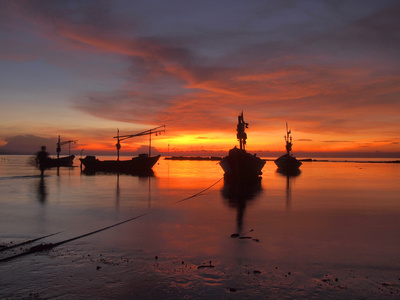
(330,232)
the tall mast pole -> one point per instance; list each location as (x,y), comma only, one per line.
(150,143)
(58,147)
(118,145)
(59,143)
(241,134)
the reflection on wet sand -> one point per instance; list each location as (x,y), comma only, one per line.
(238,197)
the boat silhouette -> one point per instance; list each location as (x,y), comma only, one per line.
(287,163)
(142,164)
(238,164)
(66,161)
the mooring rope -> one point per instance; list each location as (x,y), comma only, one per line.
(27,242)
(49,246)
(199,192)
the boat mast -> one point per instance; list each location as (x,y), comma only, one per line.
(59,143)
(149,132)
(288,139)
(58,147)
(118,145)
(241,134)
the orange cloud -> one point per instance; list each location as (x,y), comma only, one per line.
(339,83)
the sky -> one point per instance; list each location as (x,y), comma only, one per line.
(83,69)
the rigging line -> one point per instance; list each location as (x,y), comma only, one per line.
(27,242)
(50,246)
(200,191)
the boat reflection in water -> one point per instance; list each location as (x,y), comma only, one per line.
(290,175)
(239,196)
(143,181)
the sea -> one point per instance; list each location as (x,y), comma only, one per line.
(330,232)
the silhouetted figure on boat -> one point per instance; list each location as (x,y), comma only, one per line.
(42,159)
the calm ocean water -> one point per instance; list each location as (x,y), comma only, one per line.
(332,231)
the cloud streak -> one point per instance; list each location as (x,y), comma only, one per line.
(330,68)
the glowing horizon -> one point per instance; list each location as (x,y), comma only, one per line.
(83,69)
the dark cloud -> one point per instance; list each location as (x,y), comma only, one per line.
(29,144)
(123,106)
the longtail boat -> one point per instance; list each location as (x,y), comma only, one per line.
(142,164)
(239,164)
(287,162)
(66,161)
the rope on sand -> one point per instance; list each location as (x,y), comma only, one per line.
(49,246)
(27,242)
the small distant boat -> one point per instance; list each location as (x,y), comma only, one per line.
(66,161)
(239,164)
(287,162)
(142,164)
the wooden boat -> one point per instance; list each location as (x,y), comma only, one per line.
(66,161)
(239,164)
(287,162)
(142,164)
(137,165)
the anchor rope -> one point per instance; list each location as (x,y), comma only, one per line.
(50,246)
(187,198)
(27,242)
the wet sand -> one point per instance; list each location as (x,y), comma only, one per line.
(81,271)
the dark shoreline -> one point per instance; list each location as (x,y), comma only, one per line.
(218,158)
(361,161)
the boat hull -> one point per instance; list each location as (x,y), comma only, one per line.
(288,163)
(66,161)
(242,165)
(137,165)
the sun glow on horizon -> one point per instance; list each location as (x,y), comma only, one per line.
(82,79)
(262,140)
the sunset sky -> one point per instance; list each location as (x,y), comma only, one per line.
(82,69)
